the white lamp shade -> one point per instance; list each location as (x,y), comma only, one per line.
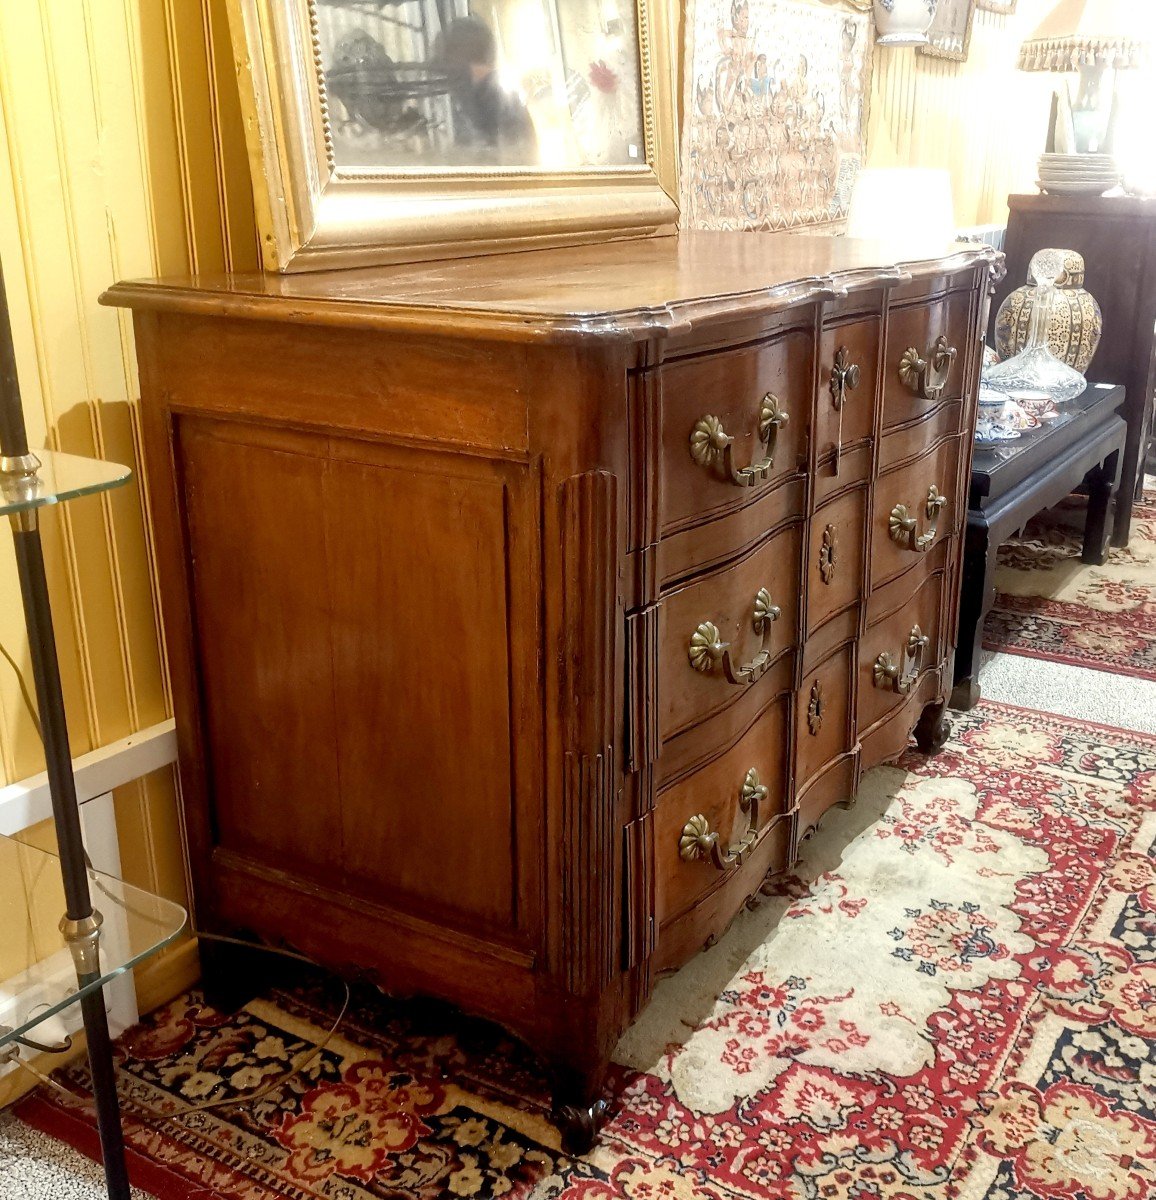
(1076,33)
(912,203)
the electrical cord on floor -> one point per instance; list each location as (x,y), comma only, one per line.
(10,1051)
(314,1052)
(152,1116)
(225,939)
(43,1047)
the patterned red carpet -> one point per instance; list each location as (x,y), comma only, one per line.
(957,999)
(1049,605)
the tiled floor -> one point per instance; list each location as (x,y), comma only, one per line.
(1118,700)
(34,1167)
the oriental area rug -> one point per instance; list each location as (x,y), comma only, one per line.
(953,998)
(1050,605)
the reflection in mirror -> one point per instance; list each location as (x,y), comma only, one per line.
(552,85)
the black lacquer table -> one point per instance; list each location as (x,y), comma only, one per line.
(1012,482)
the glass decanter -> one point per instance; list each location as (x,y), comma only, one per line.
(1035,367)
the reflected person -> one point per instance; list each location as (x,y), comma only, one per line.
(485,114)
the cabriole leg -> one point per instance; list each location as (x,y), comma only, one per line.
(580,1108)
(933,729)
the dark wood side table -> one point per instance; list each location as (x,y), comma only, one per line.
(1117,237)
(1013,482)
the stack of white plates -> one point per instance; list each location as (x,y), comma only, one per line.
(1090,174)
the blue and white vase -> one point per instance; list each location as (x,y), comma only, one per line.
(903,22)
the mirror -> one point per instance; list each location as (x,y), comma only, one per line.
(384,131)
(542,85)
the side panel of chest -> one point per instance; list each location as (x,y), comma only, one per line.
(379,584)
(341,587)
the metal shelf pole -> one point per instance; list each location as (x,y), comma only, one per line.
(81,922)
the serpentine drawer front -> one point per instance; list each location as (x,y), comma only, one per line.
(901,647)
(719,635)
(709,825)
(917,504)
(823,715)
(925,343)
(848,361)
(838,546)
(734,424)
(681,545)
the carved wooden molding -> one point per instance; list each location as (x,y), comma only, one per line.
(590,850)
(588,878)
(642,688)
(639,885)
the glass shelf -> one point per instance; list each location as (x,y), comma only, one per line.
(60,477)
(37,974)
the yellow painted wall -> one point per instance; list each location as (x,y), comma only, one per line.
(121,155)
(983,120)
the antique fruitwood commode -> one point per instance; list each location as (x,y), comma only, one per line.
(525,612)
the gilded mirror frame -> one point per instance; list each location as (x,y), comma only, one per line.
(313,216)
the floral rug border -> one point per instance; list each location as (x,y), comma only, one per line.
(1013,616)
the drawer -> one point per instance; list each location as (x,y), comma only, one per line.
(700,926)
(916,505)
(926,357)
(900,648)
(836,786)
(699,821)
(720,539)
(848,364)
(906,442)
(733,424)
(719,635)
(823,715)
(888,738)
(698,744)
(835,564)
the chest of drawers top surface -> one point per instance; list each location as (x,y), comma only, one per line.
(632,290)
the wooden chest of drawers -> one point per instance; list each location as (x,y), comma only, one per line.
(524,612)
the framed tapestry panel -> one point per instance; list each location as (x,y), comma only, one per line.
(775,103)
(950,32)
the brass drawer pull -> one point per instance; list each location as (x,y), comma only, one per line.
(698,840)
(902,524)
(707,649)
(888,674)
(927,377)
(710,444)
